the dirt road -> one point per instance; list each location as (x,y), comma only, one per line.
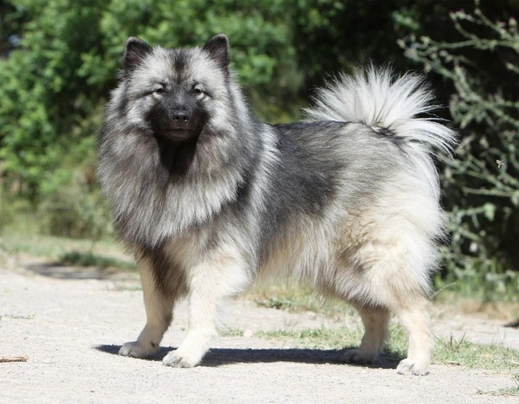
(71,329)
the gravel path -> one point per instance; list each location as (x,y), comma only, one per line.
(71,325)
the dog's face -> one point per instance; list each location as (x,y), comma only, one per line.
(177,94)
(177,141)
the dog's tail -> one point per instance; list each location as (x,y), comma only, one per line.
(377,99)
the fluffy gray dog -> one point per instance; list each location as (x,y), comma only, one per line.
(210,199)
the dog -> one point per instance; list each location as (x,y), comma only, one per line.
(210,199)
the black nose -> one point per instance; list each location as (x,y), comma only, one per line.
(181,117)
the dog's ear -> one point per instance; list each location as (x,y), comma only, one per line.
(135,52)
(218,48)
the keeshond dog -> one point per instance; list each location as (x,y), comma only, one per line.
(210,199)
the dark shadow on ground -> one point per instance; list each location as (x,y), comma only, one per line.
(74,264)
(513,324)
(60,271)
(226,356)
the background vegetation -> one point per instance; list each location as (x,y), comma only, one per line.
(59,60)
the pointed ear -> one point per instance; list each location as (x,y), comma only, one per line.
(218,48)
(135,52)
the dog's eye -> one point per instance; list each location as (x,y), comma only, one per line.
(159,90)
(197,92)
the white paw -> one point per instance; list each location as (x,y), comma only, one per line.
(183,358)
(360,357)
(135,349)
(417,368)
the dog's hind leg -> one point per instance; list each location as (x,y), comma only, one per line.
(416,320)
(158,302)
(392,274)
(375,320)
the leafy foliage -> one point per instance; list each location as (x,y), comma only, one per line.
(482,182)
(44,95)
(59,59)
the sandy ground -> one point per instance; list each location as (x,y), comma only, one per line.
(70,325)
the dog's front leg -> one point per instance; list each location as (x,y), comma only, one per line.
(209,285)
(161,286)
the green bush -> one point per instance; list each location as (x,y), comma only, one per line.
(76,212)
(55,82)
(57,74)
(59,59)
(482,183)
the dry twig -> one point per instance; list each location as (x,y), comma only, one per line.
(14,358)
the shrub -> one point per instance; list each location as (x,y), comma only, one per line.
(482,183)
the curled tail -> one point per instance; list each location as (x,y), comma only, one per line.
(378,99)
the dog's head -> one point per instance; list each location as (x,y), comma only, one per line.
(176,93)
(180,107)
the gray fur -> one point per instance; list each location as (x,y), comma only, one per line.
(211,199)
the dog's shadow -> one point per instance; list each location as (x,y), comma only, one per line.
(228,356)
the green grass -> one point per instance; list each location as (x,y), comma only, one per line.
(451,352)
(476,356)
(67,251)
(88,259)
(486,287)
(316,338)
(447,352)
(232,332)
(512,391)
(294,298)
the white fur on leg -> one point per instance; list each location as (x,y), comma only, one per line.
(210,283)
(203,312)
(375,323)
(202,328)
(135,350)
(415,367)
(190,352)
(144,347)
(417,323)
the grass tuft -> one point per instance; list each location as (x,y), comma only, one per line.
(67,251)
(89,259)
(459,352)
(470,355)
